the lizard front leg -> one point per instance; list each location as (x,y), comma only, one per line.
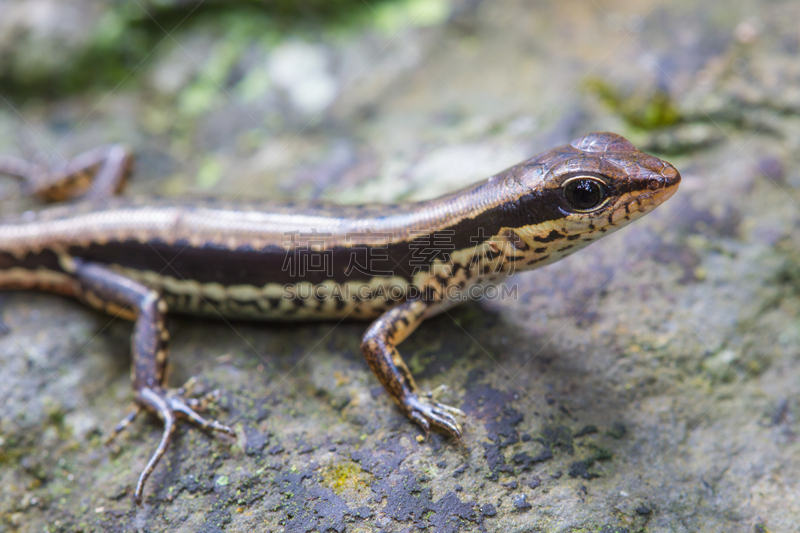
(379,345)
(109,291)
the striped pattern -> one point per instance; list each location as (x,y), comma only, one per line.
(242,261)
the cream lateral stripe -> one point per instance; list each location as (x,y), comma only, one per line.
(188,293)
(66,261)
(247,293)
(27,278)
(231,228)
(214,291)
(228,228)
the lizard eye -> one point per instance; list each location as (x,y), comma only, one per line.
(584,193)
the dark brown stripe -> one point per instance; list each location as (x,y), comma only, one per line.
(31,261)
(273,264)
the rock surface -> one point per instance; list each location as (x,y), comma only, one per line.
(648,383)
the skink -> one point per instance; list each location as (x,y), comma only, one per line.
(394,264)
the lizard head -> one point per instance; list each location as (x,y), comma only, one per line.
(593,186)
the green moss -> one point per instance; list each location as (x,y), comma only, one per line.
(419,360)
(209,173)
(392,17)
(12,450)
(344,475)
(55,417)
(556,436)
(647,111)
(598,452)
(128,35)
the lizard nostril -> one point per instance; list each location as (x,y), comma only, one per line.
(670,175)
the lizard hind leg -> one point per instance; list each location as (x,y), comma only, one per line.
(110,291)
(97,173)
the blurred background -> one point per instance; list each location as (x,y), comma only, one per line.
(648,383)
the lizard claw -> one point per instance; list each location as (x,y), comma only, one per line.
(426,412)
(168,406)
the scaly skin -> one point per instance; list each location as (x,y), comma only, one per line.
(397,264)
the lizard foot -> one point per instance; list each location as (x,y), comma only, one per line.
(169,405)
(427,412)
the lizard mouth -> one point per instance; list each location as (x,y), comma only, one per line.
(660,187)
(661,184)
(671,180)
(671,175)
